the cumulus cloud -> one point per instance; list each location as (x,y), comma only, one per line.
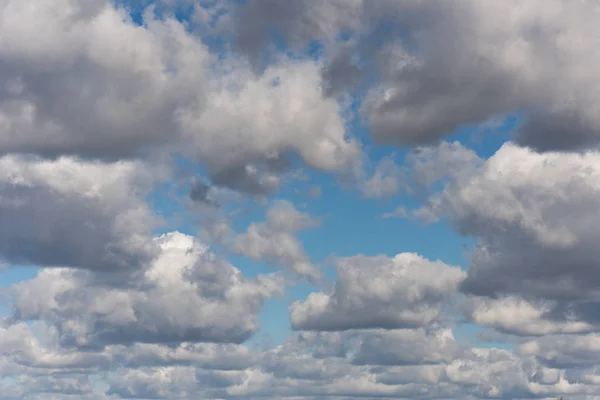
(273,240)
(532,215)
(104,103)
(186,294)
(88,81)
(83,214)
(441,67)
(308,365)
(379,292)
(507,315)
(562,351)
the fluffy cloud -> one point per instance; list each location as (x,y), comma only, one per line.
(404,291)
(533,217)
(441,67)
(563,351)
(425,364)
(273,240)
(385,180)
(507,314)
(68,212)
(187,294)
(250,122)
(534,214)
(88,81)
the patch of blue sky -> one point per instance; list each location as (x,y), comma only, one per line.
(486,137)
(10,275)
(475,336)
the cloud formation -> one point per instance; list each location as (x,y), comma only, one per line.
(380,292)
(186,294)
(438,68)
(128,130)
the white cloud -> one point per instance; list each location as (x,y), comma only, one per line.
(273,240)
(509,314)
(370,292)
(186,294)
(532,215)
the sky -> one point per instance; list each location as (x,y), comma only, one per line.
(308,199)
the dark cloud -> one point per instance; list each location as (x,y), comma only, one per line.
(72,213)
(200,193)
(432,69)
(89,82)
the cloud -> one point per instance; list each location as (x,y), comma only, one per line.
(273,240)
(186,294)
(299,22)
(421,363)
(250,122)
(228,103)
(398,212)
(89,82)
(385,182)
(532,215)
(380,292)
(560,351)
(407,347)
(429,70)
(508,313)
(74,213)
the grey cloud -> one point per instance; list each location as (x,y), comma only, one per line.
(200,193)
(429,165)
(563,351)
(543,317)
(74,213)
(407,347)
(299,22)
(214,303)
(210,356)
(273,240)
(256,179)
(88,82)
(380,292)
(340,73)
(438,68)
(170,382)
(299,368)
(249,126)
(532,215)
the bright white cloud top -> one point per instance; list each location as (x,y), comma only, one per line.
(308,199)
